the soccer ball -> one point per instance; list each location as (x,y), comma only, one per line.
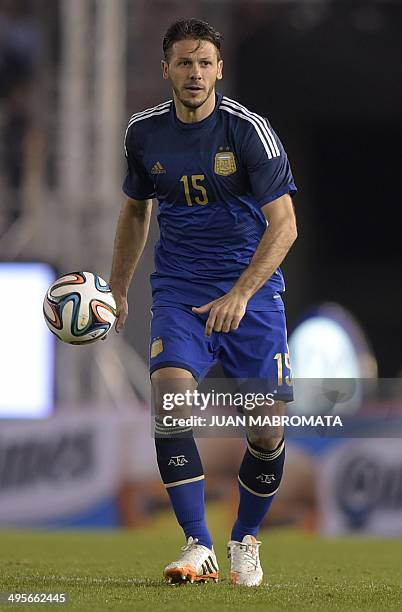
(79,308)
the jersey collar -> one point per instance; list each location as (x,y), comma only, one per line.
(198,124)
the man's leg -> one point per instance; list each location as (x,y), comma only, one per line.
(257,353)
(260,474)
(259,478)
(177,454)
(180,354)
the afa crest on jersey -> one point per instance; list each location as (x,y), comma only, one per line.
(225,163)
(156,347)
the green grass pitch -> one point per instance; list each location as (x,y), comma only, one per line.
(122,571)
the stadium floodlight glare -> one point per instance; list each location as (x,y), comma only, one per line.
(321,348)
(326,348)
(27,347)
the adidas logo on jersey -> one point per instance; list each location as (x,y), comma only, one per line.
(158,168)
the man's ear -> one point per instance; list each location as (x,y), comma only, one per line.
(219,76)
(165,69)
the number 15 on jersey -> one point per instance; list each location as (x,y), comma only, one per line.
(200,197)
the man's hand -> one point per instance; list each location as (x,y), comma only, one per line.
(122,311)
(131,234)
(225,313)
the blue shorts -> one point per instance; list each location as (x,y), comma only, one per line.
(256,352)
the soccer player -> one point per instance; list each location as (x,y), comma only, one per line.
(223,185)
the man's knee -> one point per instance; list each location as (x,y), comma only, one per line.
(267,437)
(171,392)
(268,440)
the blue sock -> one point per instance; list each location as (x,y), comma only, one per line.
(182,473)
(259,478)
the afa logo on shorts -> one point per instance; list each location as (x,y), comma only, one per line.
(156,347)
(225,163)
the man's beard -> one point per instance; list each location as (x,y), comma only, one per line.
(192,104)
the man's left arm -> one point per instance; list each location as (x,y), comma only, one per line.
(273,247)
(226,312)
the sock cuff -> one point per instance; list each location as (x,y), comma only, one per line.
(265,455)
(166,431)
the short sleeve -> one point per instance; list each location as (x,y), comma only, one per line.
(267,164)
(137,184)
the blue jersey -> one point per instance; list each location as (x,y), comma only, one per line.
(211,179)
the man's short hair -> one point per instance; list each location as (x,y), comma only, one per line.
(191,29)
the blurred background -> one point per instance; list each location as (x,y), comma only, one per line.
(71,74)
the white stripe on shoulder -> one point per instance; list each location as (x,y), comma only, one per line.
(161,111)
(151,110)
(263,139)
(141,116)
(260,120)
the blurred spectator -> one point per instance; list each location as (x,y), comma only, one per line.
(19,45)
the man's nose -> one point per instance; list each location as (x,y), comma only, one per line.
(195,71)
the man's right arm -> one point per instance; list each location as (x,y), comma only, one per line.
(131,235)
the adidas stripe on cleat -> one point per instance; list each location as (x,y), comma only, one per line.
(197,563)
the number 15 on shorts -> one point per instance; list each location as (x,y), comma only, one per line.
(283,363)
